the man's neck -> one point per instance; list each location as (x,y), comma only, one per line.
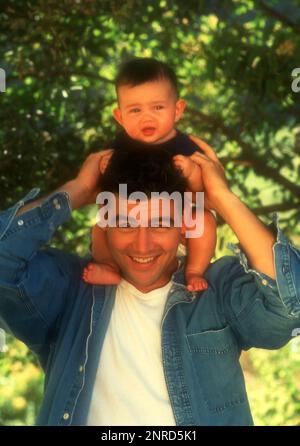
(164,281)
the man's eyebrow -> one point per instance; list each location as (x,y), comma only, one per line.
(121,217)
(164,219)
(124,219)
(127,219)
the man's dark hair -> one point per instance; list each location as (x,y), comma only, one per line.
(139,70)
(145,170)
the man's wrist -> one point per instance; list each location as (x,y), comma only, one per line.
(79,195)
(223,201)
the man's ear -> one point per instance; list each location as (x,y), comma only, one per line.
(117,115)
(180,106)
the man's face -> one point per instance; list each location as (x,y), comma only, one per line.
(146,256)
(148,112)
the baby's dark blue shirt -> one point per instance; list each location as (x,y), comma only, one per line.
(180,144)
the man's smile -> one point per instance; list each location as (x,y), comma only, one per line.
(144,262)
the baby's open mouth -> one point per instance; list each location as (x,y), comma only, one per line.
(148,130)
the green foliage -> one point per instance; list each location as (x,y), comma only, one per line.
(273,384)
(234,60)
(21,385)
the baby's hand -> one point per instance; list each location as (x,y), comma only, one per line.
(184,164)
(190,170)
(104,161)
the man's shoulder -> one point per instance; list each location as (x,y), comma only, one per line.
(225,261)
(221,270)
(224,268)
(67,262)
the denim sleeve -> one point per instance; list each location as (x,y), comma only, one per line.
(265,313)
(33,280)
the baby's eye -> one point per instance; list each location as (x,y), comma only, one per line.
(134,110)
(159,107)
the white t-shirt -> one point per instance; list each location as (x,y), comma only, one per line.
(130,387)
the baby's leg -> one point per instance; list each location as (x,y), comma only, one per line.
(105,271)
(199,253)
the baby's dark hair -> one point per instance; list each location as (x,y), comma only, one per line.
(139,70)
(144,170)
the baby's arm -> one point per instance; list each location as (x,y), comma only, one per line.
(199,250)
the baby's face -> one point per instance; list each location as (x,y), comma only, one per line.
(148,112)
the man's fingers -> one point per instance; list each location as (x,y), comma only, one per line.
(105,156)
(104,163)
(100,154)
(199,158)
(105,152)
(207,149)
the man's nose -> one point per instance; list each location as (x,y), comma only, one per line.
(143,242)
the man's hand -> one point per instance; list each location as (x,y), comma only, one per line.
(84,189)
(105,160)
(90,173)
(203,171)
(213,174)
(191,172)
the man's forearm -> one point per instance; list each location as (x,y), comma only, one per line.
(255,239)
(77,196)
(83,189)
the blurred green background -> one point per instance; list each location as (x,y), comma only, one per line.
(234,60)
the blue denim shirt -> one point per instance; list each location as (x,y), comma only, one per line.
(44,303)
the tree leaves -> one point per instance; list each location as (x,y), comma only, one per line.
(234,61)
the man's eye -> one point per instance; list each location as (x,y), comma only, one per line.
(126,224)
(163,224)
(123,224)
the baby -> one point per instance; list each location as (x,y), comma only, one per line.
(148,109)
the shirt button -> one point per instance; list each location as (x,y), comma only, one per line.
(81,368)
(20,222)
(284,270)
(264,282)
(237,250)
(66,416)
(56,203)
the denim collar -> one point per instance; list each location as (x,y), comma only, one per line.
(178,276)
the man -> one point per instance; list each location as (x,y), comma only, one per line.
(96,351)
